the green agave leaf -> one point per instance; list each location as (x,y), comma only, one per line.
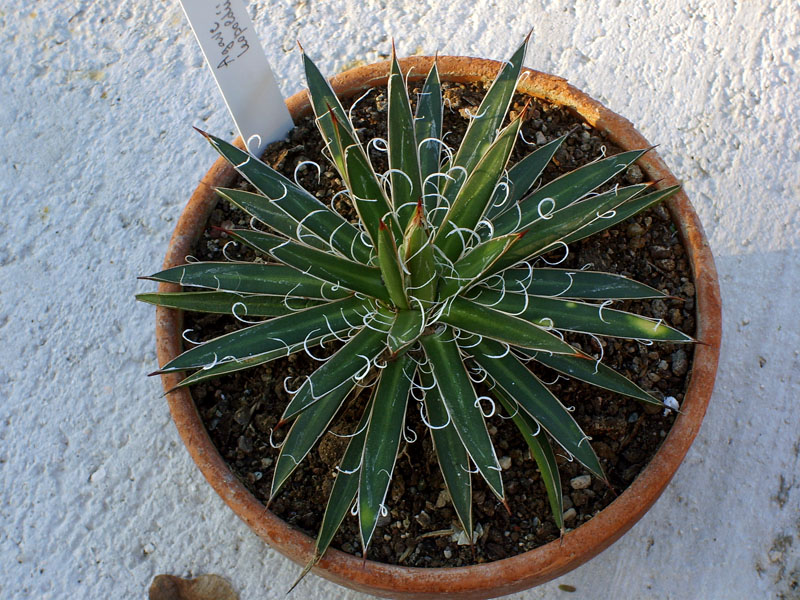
(365,189)
(532,395)
(566,283)
(336,270)
(350,364)
(403,159)
(224,368)
(428,130)
(419,260)
(345,487)
(625,211)
(547,233)
(265,211)
(473,198)
(270,336)
(563,191)
(406,329)
(250,278)
(488,322)
(472,266)
(325,103)
(453,458)
(296,202)
(458,396)
(521,177)
(483,126)
(227,303)
(582,317)
(594,372)
(389,263)
(542,453)
(304,434)
(383,441)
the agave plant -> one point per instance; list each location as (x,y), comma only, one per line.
(435,289)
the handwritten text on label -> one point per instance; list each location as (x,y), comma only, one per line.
(228,28)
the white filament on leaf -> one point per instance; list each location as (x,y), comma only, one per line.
(360,98)
(602,352)
(273,444)
(471,116)
(504,354)
(285,193)
(303,164)
(305,345)
(558,262)
(286,388)
(359,375)
(405,435)
(516,411)
(430,425)
(186,339)
(467,470)
(250,139)
(566,289)
(385,177)
(549,214)
(339,469)
(478,405)
(238,318)
(600,309)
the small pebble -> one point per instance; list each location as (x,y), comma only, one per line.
(581,482)
(569,515)
(633,417)
(659,308)
(635,230)
(448,553)
(98,475)
(680,364)
(671,403)
(505,463)
(423,519)
(660,252)
(245,443)
(634,174)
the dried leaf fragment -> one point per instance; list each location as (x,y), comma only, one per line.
(204,587)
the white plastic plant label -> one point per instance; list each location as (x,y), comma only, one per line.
(234,54)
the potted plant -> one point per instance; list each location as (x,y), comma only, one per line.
(432,294)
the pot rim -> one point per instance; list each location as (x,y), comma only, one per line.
(535,566)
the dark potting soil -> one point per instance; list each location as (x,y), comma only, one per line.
(421,528)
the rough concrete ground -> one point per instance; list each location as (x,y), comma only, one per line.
(97,158)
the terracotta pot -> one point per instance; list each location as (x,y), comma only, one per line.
(533,567)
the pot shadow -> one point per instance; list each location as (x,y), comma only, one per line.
(739,486)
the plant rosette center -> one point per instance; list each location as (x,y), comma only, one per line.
(437,288)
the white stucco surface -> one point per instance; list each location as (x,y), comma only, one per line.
(98,157)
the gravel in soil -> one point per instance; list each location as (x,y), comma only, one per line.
(421,528)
